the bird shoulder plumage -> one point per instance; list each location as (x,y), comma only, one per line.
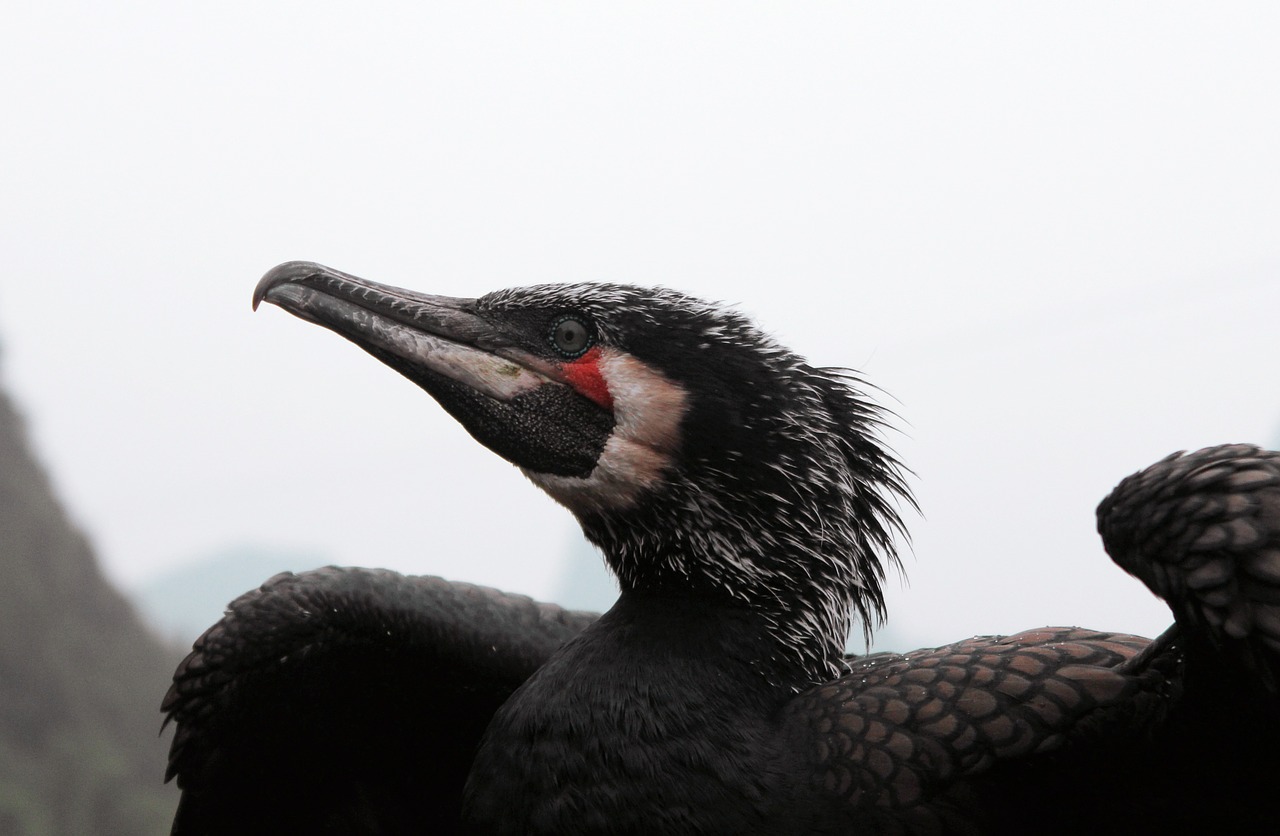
(347,700)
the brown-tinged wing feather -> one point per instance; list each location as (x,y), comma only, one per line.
(905,741)
(1202,531)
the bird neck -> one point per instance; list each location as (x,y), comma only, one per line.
(797,586)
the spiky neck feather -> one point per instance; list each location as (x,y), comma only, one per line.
(800,529)
(774,491)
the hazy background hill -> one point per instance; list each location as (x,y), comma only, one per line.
(183,602)
(81,678)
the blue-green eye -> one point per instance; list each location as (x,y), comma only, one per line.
(571,336)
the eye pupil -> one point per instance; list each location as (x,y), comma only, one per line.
(570,336)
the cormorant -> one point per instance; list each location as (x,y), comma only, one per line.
(748,508)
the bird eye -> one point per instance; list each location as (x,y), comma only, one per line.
(570,336)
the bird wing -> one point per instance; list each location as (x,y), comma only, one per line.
(347,700)
(1202,531)
(914,741)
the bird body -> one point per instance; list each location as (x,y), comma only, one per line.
(657,687)
(912,743)
(747,506)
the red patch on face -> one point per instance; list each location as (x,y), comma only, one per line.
(584,376)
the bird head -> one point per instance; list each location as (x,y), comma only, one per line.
(703,458)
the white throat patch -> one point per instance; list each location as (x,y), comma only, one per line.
(648,408)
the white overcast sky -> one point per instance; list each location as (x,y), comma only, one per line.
(1050,231)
